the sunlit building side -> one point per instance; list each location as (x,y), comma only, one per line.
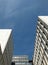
(20,60)
(41,42)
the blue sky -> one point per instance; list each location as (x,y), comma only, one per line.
(21,16)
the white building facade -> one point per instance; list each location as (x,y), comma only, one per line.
(41,42)
(20,60)
(6,46)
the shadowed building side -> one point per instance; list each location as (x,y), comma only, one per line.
(6,50)
(1,58)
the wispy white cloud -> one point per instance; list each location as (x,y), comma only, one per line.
(15,7)
(10,7)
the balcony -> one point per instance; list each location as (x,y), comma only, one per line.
(46,32)
(44,62)
(45,59)
(41,26)
(36,34)
(37,31)
(42,50)
(40,35)
(41,31)
(43,41)
(40,39)
(44,36)
(38,27)
(46,53)
(42,45)
(46,47)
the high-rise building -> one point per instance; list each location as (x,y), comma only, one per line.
(41,42)
(20,60)
(6,46)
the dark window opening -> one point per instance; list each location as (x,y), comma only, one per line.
(13,63)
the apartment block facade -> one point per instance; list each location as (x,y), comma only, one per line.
(20,60)
(6,46)
(41,42)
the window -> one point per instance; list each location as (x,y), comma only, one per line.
(13,63)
